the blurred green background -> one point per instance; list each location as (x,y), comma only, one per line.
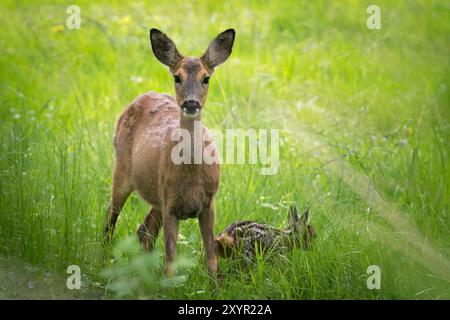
(364,119)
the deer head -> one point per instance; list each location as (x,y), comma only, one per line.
(191,75)
(302,231)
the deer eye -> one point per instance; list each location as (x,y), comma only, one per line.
(177,79)
(205,80)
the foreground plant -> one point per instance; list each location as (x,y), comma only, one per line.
(137,275)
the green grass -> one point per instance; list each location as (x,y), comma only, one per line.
(356,107)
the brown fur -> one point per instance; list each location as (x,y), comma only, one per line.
(225,242)
(143,158)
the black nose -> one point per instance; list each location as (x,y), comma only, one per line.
(190,107)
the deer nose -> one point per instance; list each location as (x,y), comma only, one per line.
(191,107)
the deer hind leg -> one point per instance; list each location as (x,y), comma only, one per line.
(121,190)
(149,230)
(206,222)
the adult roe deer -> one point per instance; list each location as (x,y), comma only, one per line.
(143,148)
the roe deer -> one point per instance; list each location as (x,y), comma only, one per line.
(143,148)
(247,237)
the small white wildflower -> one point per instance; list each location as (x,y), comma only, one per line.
(136,79)
(403,142)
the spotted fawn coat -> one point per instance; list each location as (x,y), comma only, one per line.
(247,238)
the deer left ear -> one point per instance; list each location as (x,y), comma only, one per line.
(293,215)
(219,49)
(164,48)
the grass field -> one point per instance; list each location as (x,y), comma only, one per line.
(364,119)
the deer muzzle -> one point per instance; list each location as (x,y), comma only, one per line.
(190,107)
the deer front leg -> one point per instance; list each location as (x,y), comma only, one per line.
(206,222)
(170,229)
(149,230)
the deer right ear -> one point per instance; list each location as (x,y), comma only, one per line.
(219,49)
(305,217)
(164,49)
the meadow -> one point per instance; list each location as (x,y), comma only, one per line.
(364,141)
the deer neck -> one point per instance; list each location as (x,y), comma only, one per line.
(288,237)
(189,122)
(193,125)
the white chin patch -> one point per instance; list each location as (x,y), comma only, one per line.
(190,114)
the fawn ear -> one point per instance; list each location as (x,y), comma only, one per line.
(219,49)
(293,215)
(164,49)
(305,217)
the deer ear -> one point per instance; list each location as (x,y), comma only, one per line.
(219,49)
(164,49)
(305,217)
(293,215)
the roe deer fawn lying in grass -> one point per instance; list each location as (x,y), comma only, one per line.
(247,237)
(143,147)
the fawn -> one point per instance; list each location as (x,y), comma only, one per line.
(143,144)
(246,238)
